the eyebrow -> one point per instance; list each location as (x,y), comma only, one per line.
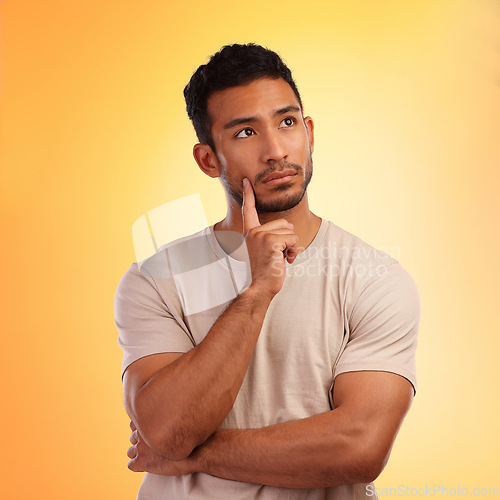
(251,119)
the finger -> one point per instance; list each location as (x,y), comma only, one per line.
(134,438)
(249,213)
(132,466)
(292,249)
(285,243)
(278,230)
(132,452)
(291,253)
(132,426)
(274,225)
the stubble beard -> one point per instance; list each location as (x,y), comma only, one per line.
(289,201)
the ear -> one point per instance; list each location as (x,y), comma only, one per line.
(206,159)
(308,121)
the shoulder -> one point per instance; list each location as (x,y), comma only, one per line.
(348,247)
(153,275)
(369,275)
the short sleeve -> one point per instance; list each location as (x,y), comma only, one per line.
(145,324)
(383,325)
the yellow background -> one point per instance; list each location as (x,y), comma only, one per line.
(406,101)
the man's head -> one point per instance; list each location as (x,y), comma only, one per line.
(232,66)
(250,124)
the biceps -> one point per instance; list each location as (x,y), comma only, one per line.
(376,401)
(140,372)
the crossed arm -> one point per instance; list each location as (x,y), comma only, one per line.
(350,444)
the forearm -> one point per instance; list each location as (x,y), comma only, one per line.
(325,450)
(347,445)
(187,400)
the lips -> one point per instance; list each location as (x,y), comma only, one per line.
(288,172)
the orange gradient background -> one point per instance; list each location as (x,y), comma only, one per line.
(406,100)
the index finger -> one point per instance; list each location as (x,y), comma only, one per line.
(250,216)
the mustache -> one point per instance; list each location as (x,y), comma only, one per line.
(277,167)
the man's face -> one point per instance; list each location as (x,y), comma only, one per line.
(259,133)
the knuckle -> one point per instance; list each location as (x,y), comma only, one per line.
(258,236)
(278,246)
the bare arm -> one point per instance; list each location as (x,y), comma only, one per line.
(178,400)
(350,444)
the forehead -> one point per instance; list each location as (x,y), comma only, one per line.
(258,98)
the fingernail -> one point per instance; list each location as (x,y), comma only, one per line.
(291,225)
(245,182)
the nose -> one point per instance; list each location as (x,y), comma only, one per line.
(273,147)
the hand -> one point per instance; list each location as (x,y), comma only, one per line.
(144,459)
(268,245)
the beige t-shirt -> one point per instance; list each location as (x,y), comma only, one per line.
(344,306)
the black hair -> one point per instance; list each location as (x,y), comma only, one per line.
(233,65)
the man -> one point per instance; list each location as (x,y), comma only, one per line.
(280,368)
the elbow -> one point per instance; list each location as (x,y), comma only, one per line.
(372,471)
(363,461)
(363,471)
(358,469)
(371,465)
(170,444)
(168,437)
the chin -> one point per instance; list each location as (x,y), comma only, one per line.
(283,200)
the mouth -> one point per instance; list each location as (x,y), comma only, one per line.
(280,177)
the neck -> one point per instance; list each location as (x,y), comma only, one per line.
(306,224)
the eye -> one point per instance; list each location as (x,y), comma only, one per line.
(246,132)
(288,121)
